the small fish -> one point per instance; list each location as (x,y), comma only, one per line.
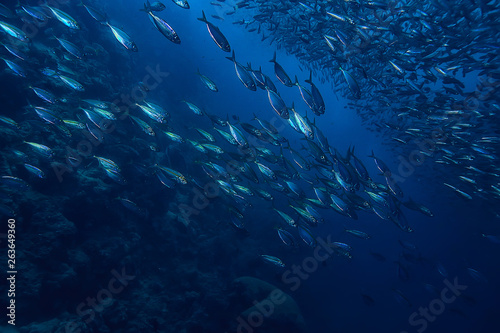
(242,73)
(306,235)
(216,34)
(175,175)
(278,104)
(280,73)
(44,94)
(286,237)
(273,260)
(70,47)
(207,82)
(96,14)
(18,70)
(132,206)
(351,83)
(143,125)
(156,6)
(237,135)
(492,238)
(14,51)
(461,193)
(163,27)
(35,13)
(182,3)
(14,183)
(123,38)
(476,275)
(63,17)
(194,108)
(205,134)
(14,32)
(34,170)
(106,163)
(41,149)
(9,122)
(73,84)
(357,233)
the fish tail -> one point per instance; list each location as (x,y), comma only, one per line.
(274,57)
(203,18)
(232,57)
(310,78)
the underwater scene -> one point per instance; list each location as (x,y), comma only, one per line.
(250,166)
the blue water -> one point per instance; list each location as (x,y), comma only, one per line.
(168,255)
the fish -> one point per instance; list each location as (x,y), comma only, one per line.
(15,51)
(273,260)
(143,125)
(162,26)
(132,206)
(194,108)
(307,236)
(96,14)
(71,83)
(459,192)
(216,34)
(14,183)
(35,13)
(207,82)
(278,104)
(286,237)
(70,47)
(182,3)
(175,175)
(156,6)
(302,124)
(237,135)
(41,149)
(63,17)
(351,83)
(318,102)
(357,233)
(14,31)
(288,220)
(18,70)
(44,95)
(243,75)
(280,72)
(9,122)
(123,38)
(306,94)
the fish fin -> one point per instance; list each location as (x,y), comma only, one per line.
(296,81)
(203,18)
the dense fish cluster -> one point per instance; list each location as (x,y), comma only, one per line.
(244,161)
(403,64)
(399,64)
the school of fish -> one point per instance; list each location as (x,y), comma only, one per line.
(401,65)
